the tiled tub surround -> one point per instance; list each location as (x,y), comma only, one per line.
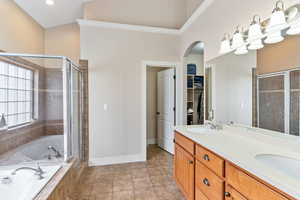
(24,184)
(35,151)
(240,145)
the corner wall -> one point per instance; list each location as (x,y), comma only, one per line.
(19,32)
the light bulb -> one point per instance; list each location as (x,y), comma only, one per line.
(278,19)
(241,50)
(225,45)
(273,38)
(50,2)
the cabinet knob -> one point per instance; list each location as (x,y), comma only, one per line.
(227,194)
(206,182)
(206,157)
(191,162)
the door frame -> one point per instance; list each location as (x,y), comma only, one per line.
(178,97)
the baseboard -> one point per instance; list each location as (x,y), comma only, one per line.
(151,141)
(117,160)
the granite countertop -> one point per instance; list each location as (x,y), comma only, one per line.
(240,145)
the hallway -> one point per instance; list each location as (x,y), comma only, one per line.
(152,180)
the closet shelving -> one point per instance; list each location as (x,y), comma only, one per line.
(195,85)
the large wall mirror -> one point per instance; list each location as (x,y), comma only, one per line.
(260,89)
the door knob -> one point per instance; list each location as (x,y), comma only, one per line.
(206,182)
(191,162)
(158,113)
(206,157)
(227,194)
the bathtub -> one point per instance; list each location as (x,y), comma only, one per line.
(35,151)
(24,185)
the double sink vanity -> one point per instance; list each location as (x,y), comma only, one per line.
(236,163)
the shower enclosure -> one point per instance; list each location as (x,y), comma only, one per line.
(55,98)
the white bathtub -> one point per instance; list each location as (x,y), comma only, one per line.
(24,185)
(35,151)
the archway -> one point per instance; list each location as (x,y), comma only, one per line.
(194,81)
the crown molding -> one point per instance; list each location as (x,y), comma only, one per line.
(149,29)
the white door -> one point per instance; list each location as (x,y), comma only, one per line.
(166,109)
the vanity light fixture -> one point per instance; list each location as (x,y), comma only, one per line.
(255,34)
(269,31)
(241,50)
(273,38)
(238,38)
(295,25)
(50,2)
(225,45)
(278,18)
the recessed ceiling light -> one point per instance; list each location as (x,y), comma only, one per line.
(50,2)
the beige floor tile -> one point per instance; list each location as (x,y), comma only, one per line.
(102,196)
(151,180)
(142,183)
(123,195)
(145,194)
(122,185)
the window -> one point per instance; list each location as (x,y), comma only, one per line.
(16,94)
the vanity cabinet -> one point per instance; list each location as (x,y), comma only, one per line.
(184,171)
(203,175)
(232,194)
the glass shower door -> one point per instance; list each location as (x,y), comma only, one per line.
(294,102)
(271,102)
(72,110)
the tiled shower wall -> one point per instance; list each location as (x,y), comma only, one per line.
(53,101)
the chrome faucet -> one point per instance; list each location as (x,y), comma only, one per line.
(213,126)
(38,171)
(57,154)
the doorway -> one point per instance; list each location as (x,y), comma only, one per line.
(194,89)
(178,104)
(160,106)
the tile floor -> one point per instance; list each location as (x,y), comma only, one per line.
(151,180)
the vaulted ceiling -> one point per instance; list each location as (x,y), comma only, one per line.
(167,13)
(62,12)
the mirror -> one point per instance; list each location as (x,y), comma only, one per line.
(260,89)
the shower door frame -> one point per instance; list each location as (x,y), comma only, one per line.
(68,65)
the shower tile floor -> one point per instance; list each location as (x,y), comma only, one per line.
(151,180)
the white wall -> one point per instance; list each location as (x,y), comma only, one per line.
(232,87)
(222,17)
(166,13)
(115,78)
(63,40)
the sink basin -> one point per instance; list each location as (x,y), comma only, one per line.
(198,130)
(286,165)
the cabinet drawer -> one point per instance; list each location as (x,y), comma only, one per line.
(250,187)
(187,144)
(210,184)
(199,195)
(211,160)
(232,194)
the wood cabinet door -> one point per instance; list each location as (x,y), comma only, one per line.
(232,194)
(184,172)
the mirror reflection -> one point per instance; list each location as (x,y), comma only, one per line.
(259,89)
